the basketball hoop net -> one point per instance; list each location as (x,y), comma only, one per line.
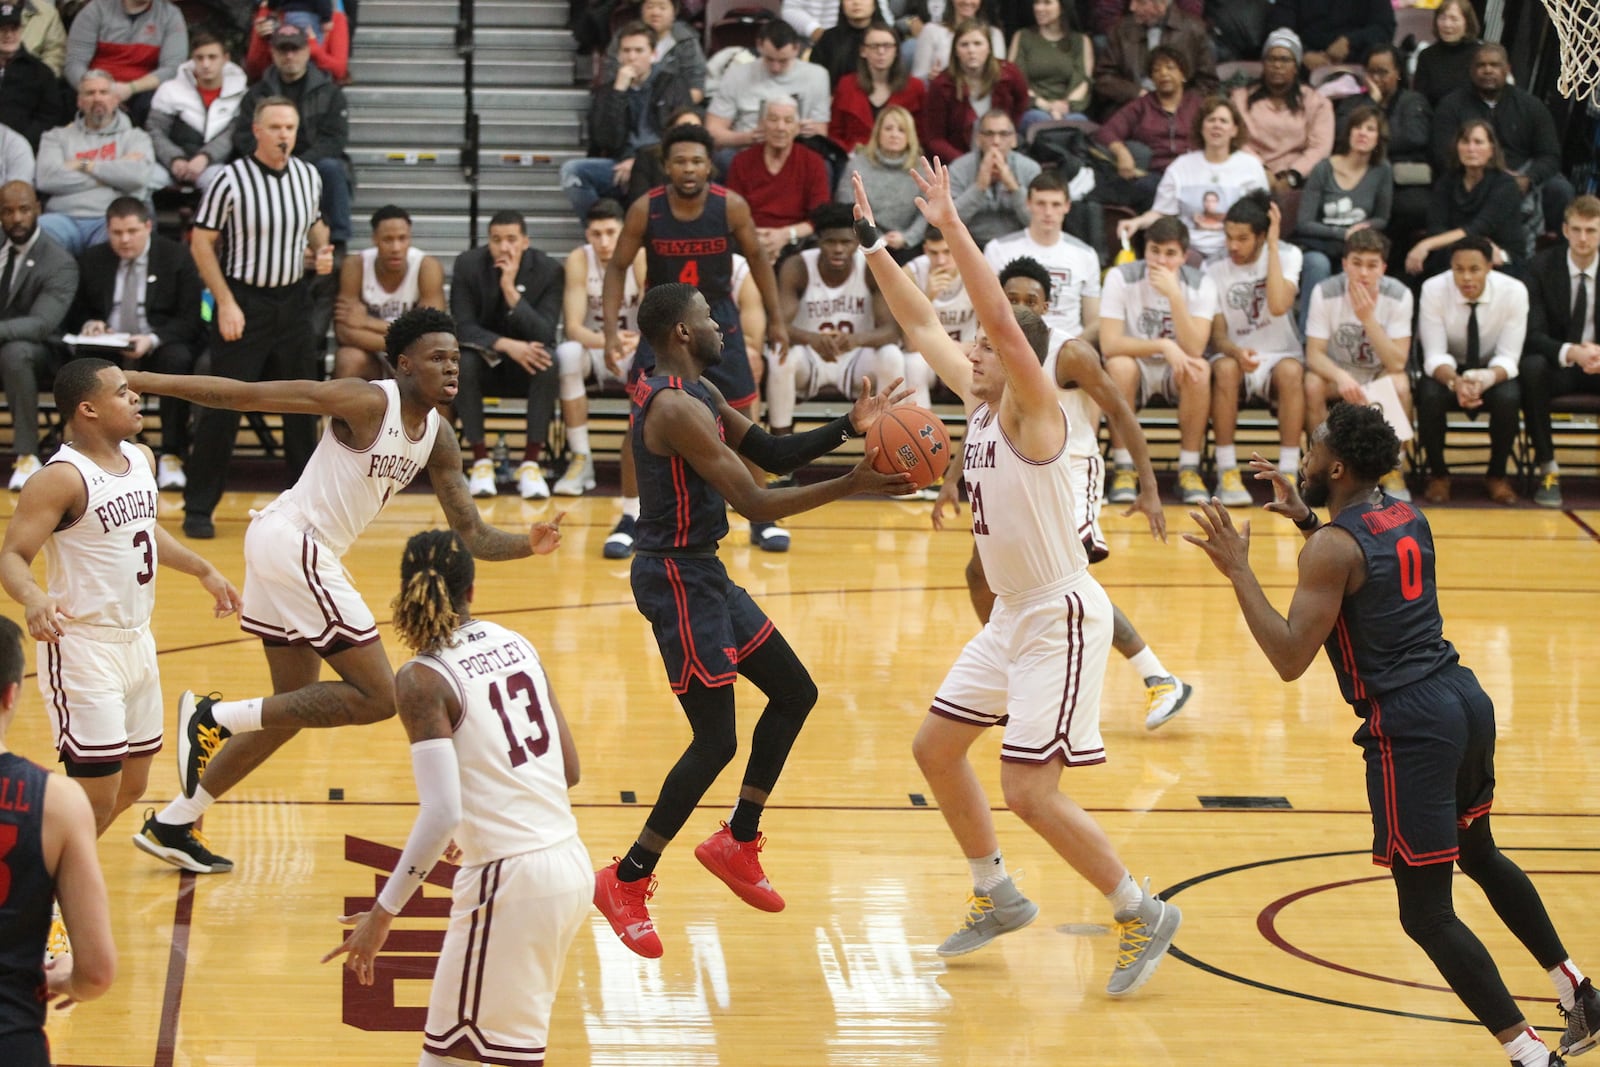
(1577,24)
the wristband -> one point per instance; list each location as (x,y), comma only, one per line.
(870,236)
(1309,523)
(794,238)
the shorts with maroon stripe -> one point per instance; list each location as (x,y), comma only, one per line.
(1037,668)
(1429,748)
(296,590)
(703,622)
(511,923)
(103,692)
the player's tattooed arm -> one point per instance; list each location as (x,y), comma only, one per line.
(482,540)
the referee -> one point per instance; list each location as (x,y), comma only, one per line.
(249,243)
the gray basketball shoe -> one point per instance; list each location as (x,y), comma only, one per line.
(1000,911)
(1142,939)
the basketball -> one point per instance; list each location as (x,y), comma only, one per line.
(913,440)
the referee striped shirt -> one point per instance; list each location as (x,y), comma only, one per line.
(263,216)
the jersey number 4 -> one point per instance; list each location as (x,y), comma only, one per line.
(519,687)
(690,274)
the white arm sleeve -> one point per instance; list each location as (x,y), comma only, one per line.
(433,763)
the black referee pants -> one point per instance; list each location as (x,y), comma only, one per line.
(276,346)
(1542,379)
(1503,402)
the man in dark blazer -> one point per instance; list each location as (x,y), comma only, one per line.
(506,299)
(147,287)
(37,281)
(1562,353)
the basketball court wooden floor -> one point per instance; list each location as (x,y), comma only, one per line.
(1290,951)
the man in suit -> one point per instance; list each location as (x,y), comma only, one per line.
(506,299)
(37,281)
(147,287)
(1147,24)
(1562,354)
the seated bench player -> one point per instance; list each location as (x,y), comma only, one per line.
(840,329)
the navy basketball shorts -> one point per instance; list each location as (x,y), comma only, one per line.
(704,623)
(1429,749)
(732,376)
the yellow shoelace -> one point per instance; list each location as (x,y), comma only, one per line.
(977,908)
(1155,693)
(1132,938)
(210,738)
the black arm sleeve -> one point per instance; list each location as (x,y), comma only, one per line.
(790,452)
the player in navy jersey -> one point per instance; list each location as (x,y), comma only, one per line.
(47,851)
(687,442)
(1367,591)
(689,230)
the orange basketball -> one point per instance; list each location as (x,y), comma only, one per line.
(913,440)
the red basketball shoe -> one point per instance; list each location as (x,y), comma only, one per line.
(738,863)
(623,905)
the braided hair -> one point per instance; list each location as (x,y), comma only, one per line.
(436,571)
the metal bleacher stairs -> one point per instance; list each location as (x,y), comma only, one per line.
(409,126)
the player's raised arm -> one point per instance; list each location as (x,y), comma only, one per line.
(1035,390)
(919,322)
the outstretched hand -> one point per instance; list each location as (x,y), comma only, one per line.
(545,537)
(1148,504)
(364,943)
(871,405)
(863,207)
(936,203)
(1286,499)
(949,497)
(1228,548)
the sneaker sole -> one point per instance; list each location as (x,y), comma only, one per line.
(1154,723)
(616,549)
(176,857)
(1581,1047)
(756,898)
(990,940)
(186,713)
(1244,501)
(1160,943)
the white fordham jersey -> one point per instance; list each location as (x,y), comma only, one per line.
(1331,319)
(1242,300)
(1145,313)
(594,283)
(1074,273)
(1083,414)
(844,308)
(513,775)
(956,314)
(343,488)
(382,303)
(1020,509)
(101,569)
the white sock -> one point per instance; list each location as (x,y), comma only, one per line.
(238,716)
(630,506)
(1550,468)
(1121,457)
(1527,1049)
(1148,664)
(1126,898)
(1566,977)
(578,439)
(988,871)
(1227,456)
(1188,459)
(185,810)
(1289,460)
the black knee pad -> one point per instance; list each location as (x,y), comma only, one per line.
(76,769)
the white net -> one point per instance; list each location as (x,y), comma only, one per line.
(1577,24)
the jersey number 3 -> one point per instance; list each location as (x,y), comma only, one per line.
(519,687)
(147,569)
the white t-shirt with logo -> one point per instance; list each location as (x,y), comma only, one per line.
(1242,299)
(1331,319)
(1200,193)
(1074,273)
(1145,313)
